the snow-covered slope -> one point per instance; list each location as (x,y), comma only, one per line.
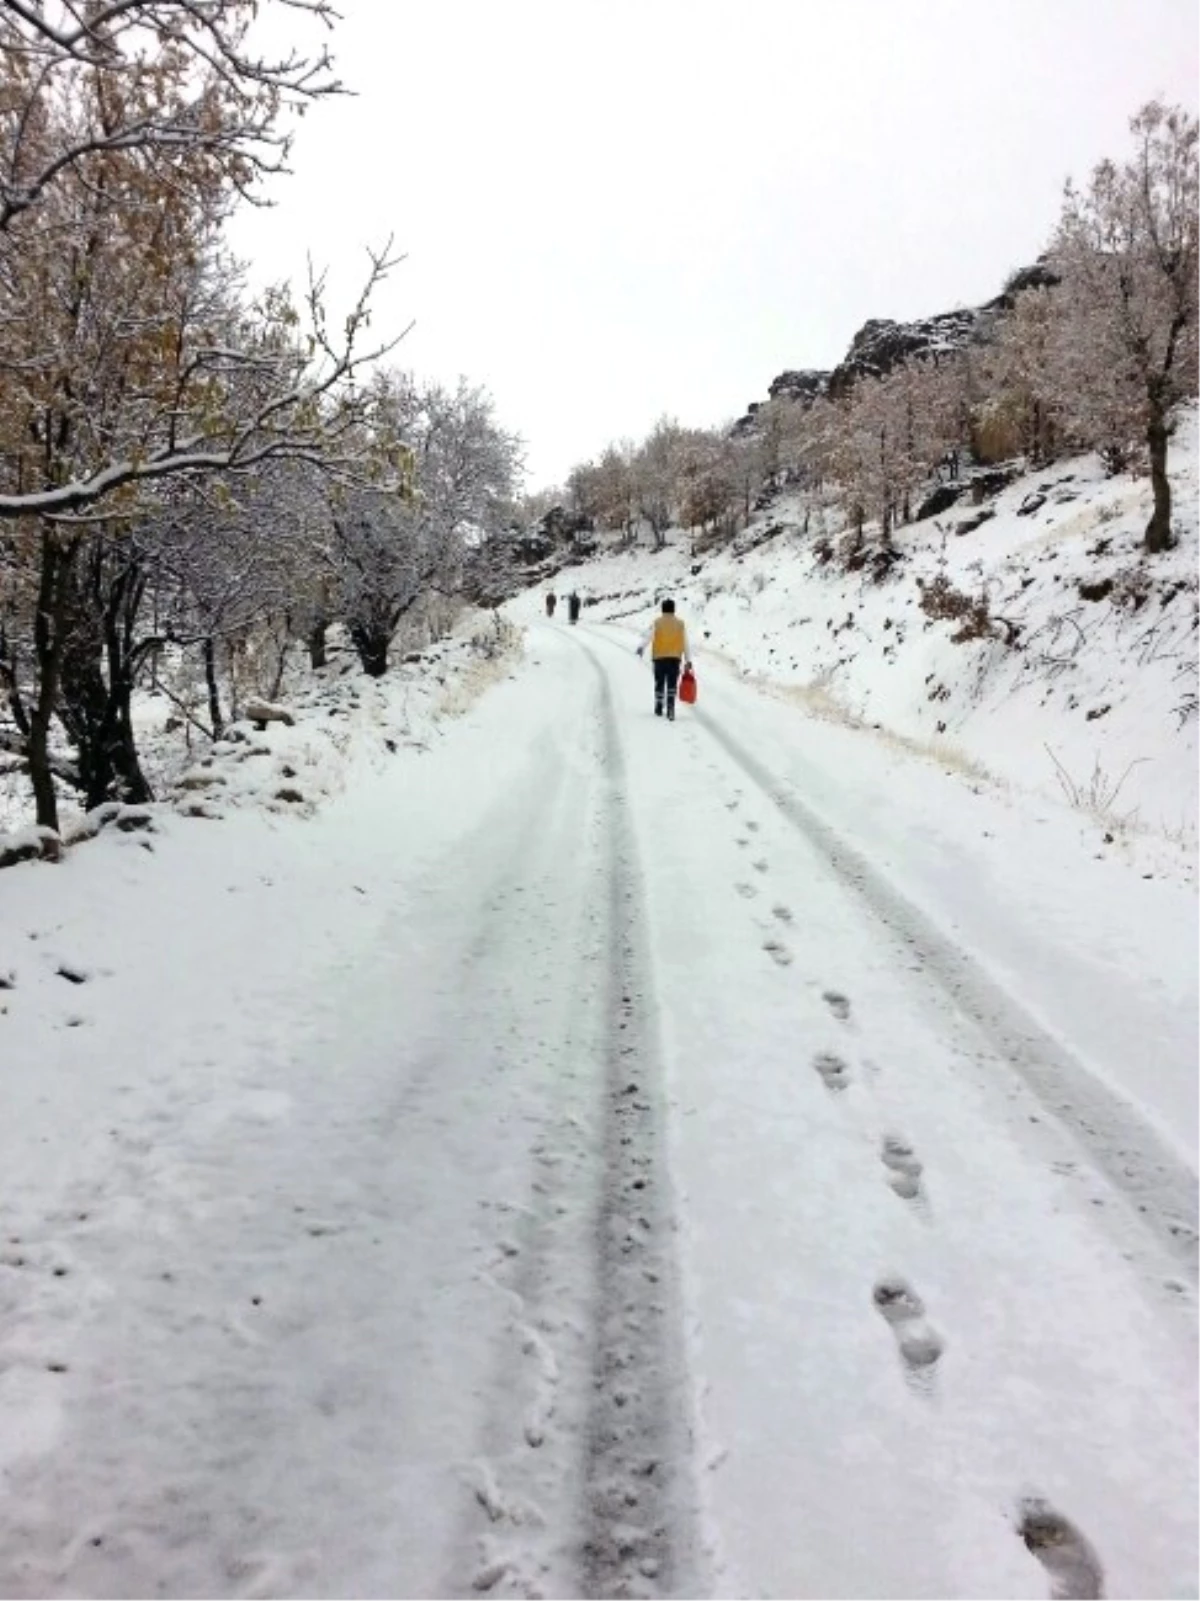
(337,729)
(1094,702)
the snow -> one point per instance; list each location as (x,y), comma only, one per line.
(346,728)
(564,1152)
(1105,689)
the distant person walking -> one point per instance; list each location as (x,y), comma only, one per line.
(574,604)
(667,643)
(551,603)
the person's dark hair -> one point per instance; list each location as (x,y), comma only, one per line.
(668,605)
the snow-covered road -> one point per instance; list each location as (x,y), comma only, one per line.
(602,1157)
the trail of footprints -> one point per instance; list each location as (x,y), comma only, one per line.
(1073,1568)
(918,1342)
(904,1169)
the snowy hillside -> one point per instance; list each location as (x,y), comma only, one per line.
(332,730)
(1094,701)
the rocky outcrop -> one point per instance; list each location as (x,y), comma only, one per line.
(519,559)
(882,344)
(802,386)
(806,385)
(1040,276)
(559,524)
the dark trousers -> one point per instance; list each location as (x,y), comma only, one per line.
(666,680)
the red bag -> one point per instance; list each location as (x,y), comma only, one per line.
(687,687)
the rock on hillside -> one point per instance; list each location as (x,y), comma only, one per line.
(881,344)
(803,386)
(806,385)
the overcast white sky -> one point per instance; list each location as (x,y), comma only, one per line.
(618,208)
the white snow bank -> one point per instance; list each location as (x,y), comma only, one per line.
(330,728)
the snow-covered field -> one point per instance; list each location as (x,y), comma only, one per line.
(566,1153)
(1098,698)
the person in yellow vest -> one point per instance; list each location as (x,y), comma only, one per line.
(667,643)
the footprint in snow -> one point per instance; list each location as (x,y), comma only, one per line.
(746,891)
(778,952)
(753,827)
(837,1004)
(904,1168)
(834,1072)
(919,1344)
(1073,1566)
(761,865)
(783,913)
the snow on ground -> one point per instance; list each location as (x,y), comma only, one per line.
(1103,685)
(344,727)
(596,1156)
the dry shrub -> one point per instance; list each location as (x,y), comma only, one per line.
(996,434)
(1131,588)
(944,603)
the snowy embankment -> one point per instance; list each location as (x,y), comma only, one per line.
(161,991)
(1094,704)
(327,730)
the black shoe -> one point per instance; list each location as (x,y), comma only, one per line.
(671,714)
(658,711)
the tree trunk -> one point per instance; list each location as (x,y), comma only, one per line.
(97,717)
(44,796)
(214,695)
(106,602)
(317,656)
(372,647)
(83,713)
(54,578)
(276,688)
(135,787)
(1158,529)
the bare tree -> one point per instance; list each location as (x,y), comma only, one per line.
(1021,411)
(388,550)
(611,489)
(129,357)
(178,74)
(129,130)
(655,470)
(1126,247)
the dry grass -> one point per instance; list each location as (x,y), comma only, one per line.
(1098,793)
(496,648)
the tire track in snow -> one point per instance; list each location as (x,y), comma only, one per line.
(527,1476)
(1118,1139)
(639,1512)
(581,1477)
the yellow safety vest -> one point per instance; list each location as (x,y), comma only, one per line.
(668,637)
